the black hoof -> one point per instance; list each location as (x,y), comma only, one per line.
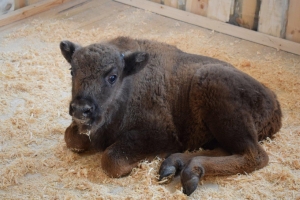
(167,173)
(190,177)
(190,186)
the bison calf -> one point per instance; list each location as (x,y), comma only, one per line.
(135,99)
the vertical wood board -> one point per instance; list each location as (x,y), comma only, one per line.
(219,10)
(180,4)
(198,7)
(19,4)
(273,17)
(171,3)
(293,23)
(244,14)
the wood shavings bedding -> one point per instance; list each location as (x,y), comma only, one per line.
(35,92)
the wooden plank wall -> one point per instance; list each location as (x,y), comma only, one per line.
(27,11)
(276,18)
(23,3)
(273,17)
(279,18)
(17,4)
(293,21)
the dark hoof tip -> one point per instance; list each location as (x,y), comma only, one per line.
(190,186)
(166,179)
(167,173)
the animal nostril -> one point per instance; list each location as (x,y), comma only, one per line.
(88,110)
(82,108)
(92,108)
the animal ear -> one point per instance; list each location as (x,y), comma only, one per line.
(134,62)
(67,49)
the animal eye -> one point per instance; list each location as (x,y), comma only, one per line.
(112,79)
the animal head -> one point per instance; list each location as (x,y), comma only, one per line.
(99,73)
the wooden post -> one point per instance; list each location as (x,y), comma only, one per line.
(273,17)
(293,24)
(219,9)
(198,7)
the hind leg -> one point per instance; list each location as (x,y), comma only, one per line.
(195,169)
(174,163)
(235,133)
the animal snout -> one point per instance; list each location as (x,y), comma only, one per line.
(82,109)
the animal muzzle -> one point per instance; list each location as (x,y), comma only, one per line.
(82,110)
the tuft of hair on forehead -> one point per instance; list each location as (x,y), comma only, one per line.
(101,54)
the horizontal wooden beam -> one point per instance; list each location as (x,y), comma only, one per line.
(246,34)
(29,11)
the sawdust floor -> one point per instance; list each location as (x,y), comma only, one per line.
(35,92)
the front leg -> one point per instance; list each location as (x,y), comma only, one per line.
(121,157)
(76,142)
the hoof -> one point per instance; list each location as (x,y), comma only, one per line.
(190,185)
(76,142)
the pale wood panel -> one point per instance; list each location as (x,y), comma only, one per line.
(219,10)
(229,29)
(198,7)
(293,24)
(172,3)
(19,4)
(273,17)
(180,4)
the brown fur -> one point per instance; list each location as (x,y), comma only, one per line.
(165,101)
